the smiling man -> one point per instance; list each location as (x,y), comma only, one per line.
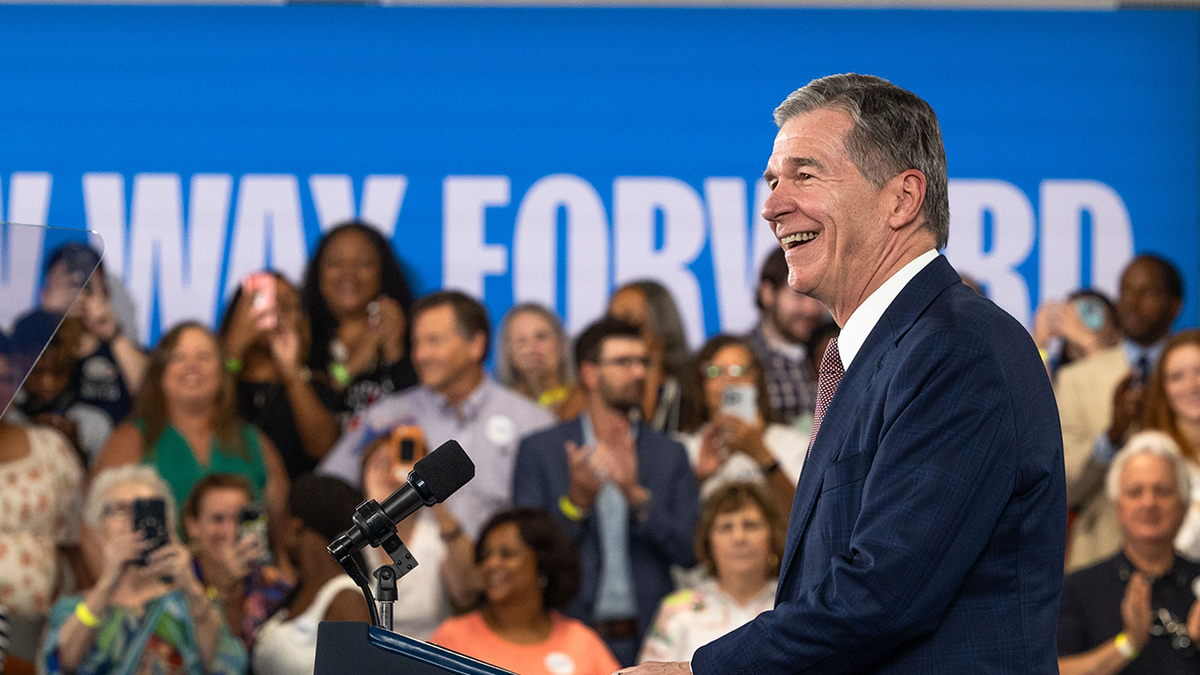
(928,526)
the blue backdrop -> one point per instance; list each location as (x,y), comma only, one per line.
(551,154)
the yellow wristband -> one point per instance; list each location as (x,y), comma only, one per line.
(1044,354)
(85,615)
(1121,642)
(569,510)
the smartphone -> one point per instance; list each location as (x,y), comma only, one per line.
(150,519)
(740,400)
(261,287)
(252,521)
(407,446)
(1091,312)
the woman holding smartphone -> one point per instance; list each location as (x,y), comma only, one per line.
(265,336)
(728,426)
(148,613)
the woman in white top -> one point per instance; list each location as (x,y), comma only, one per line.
(321,509)
(728,426)
(445,554)
(739,541)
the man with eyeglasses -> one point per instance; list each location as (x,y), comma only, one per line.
(624,492)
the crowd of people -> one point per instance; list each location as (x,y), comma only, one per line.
(630,499)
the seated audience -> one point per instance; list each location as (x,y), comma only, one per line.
(1069,331)
(649,306)
(1137,612)
(321,509)
(1172,405)
(1099,401)
(358,301)
(456,399)
(530,570)
(229,560)
(533,356)
(740,544)
(623,492)
(39,527)
(729,428)
(445,572)
(147,613)
(786,323)
(264,336)
(47,399)
(185,424)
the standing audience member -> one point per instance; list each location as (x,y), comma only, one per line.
(358,300)
(623,492)
(649,306)
(456,400)
(40,495)
(445,572)
(724,443)
(145,617)
(533,356)
(786,322)
(1136,612)
(1173,407)
(530,569)
(185,423)
(266,349)
(228,560)
(739,543)
(1099,401)
(321,509)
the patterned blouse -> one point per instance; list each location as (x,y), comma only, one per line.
(125,645)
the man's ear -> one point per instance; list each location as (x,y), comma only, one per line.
(588,374)
(908,195)
(766,295)
(478,346)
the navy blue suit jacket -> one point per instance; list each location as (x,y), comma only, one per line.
(541,478)
(929,523)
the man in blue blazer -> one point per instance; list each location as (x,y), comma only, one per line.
(625,493)
(928,528)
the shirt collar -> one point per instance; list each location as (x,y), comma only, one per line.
(860,324)
(471,405)
(1135,351)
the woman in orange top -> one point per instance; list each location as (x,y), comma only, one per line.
(529,567)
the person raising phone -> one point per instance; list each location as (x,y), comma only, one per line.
(148,612)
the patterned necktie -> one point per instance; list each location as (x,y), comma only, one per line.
(828,379)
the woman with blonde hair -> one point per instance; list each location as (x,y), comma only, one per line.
(533,356)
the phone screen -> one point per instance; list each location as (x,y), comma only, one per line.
(261,287)
(740,400)
(150,519)
(254,523)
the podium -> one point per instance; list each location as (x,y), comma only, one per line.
(348,648)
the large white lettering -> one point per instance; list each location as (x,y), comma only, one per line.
(21,248)
(733,265)
(1063,205)
(466,257)
(535,248)
(268,231)
(1012,235)
(637,204)
(333,198)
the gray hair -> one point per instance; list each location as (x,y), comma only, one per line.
(506,374)
(1154,443)
(140,474)
(894,131)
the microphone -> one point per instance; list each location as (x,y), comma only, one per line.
(435,477)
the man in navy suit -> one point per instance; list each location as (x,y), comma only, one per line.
(928,527)
(625,493)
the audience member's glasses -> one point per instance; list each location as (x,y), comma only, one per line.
(713,371)
(627,362)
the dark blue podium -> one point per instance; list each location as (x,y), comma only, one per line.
(348,647)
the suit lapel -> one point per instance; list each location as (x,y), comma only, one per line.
(844,409)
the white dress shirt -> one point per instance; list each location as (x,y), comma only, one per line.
(860,324)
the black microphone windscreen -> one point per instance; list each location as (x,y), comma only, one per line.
(445,470)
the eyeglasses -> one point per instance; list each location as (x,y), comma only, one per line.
(627,362)
(713,371)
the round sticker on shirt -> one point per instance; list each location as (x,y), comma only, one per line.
(559,663)
(501,430)
(99,368)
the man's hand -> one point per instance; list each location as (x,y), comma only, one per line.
(658,668)
(1135,611)
(586,477)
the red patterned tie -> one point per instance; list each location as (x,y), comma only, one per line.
(828,379)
